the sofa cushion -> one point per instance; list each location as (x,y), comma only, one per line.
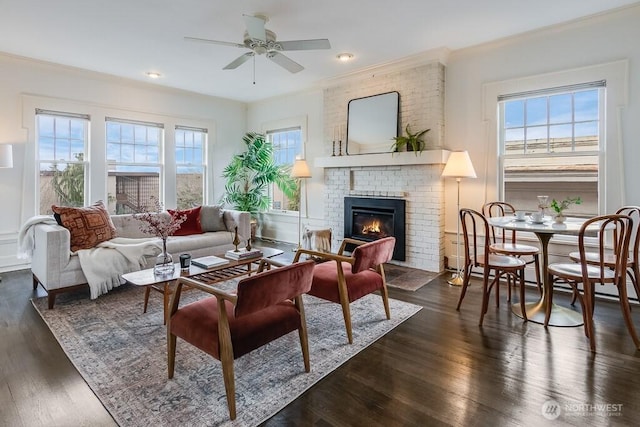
(88,226)
(192,223)
(212,219)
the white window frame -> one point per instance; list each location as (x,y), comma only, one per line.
(203,165)
(600,86)
(160,164)
(299,122)
(86,159)
(616,76)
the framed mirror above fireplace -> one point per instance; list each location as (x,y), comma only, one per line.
(369,219)
(372,123)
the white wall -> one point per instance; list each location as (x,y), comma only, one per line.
(22,80)
(309,105)
(581,44)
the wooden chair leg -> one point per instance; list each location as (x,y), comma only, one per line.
(626,313)
(522,302)
(385,300)
(588,315)
(465,285)
(547,311)
(485,295)
(171,353)
(302,333)
(346,313)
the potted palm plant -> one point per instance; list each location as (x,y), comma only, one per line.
(412,141)
(249,175)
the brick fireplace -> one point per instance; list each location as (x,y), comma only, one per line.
(419,185)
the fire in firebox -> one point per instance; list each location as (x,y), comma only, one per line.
(371,228)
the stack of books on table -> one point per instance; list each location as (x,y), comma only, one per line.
(209,261)
(243,254)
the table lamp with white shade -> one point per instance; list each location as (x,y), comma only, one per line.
(458,166)
(300,171)
(6,156)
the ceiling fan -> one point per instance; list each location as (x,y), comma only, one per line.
(261,41)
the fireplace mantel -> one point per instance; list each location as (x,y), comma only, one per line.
(383,159)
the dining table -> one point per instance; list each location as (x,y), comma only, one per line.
(544,231)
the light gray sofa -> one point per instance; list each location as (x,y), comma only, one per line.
(58,270)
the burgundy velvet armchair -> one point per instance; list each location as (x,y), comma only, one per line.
(267,306)
(345,279)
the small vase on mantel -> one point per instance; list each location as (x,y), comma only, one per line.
(164,262)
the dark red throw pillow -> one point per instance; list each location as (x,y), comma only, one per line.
(191,225)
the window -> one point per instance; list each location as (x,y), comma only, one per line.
(134,164)
(550,144)
(62,161)
(287,144)
(190,166)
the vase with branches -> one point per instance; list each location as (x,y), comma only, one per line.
(162,226)
(560,206)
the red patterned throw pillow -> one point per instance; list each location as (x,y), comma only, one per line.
(191,225)
(88,226)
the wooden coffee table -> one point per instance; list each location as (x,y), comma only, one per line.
(220,273)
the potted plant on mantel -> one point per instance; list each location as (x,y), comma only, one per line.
(412,141)
(560,207)
(249,175)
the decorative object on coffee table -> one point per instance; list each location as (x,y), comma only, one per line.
(248,247)
(162,227)
(236,240)
(560,207)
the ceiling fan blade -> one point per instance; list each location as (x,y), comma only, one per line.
(286,63)
(239,61)
(255,27)
(305,44)
(196,39)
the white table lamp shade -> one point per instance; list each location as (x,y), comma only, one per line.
(459,166)
(300,169)
(6,156)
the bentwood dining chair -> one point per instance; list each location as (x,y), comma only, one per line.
(267,306)
(504,241)
(633,269)
(477,253)
(614,232)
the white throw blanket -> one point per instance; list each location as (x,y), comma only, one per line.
(27,235)
(104,264)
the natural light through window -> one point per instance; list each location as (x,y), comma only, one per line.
(287,144)
(62,147)
(134,164)
(551,145)
(190,166)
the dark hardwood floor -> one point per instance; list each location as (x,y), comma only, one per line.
(437,368)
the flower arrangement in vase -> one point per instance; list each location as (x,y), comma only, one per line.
(560,207)
(161,226)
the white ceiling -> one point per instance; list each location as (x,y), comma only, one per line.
(127,38)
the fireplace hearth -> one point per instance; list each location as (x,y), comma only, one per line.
(369,219)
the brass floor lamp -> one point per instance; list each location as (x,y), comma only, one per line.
(300,171)
(458,166)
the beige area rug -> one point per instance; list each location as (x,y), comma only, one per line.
(410,279)
(121,354)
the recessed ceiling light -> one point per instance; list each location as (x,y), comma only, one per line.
(153,75)
(344,57)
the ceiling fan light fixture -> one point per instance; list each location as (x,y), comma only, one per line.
(153,75)
(345,56)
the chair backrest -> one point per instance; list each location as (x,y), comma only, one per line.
(494,209)
(370,255)
(475,231)
(634,239)
(273,286)
(614,232)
